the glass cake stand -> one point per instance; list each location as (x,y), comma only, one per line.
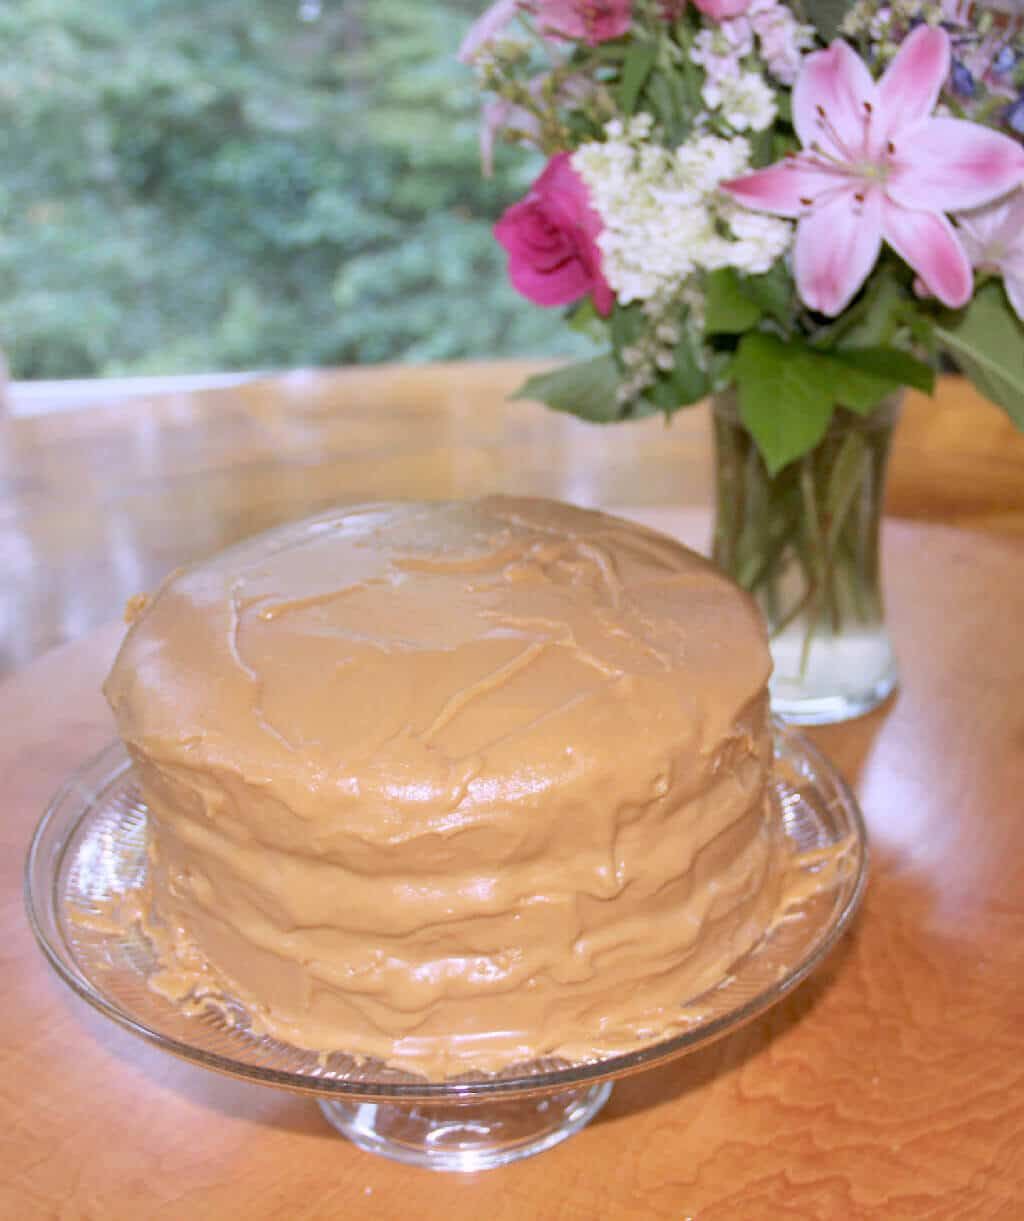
(88,852)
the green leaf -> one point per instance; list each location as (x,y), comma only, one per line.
(782,144)
(862,377)
(728,309)
(686,383)
(688,377)
(827,15)
(663,102)
(585,320)
(628,323)
(586,389)
(635,71)
(987,342)
(773,292)
(872,321)
(890,364)
(736,303)
(785,396)
(762,145)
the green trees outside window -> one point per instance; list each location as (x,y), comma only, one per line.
(225,184)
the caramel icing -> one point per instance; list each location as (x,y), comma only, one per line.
(456,785)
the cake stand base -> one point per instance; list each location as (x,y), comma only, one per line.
(468,1136)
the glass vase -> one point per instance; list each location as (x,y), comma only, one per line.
(805,543)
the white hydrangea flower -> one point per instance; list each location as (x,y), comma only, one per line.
(745,100)
(760,240)
(665,222)
(708,160)
(645,243)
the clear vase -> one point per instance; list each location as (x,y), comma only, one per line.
(805,543)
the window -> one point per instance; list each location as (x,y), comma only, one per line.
(196,185)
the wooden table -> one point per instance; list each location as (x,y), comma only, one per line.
(96,505)
(890,1085)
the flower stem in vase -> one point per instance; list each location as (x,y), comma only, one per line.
(804,542)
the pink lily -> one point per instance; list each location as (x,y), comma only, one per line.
(875,165)
(994,238)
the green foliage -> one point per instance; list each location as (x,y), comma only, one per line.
(686,382)
(199,184)
(627,325)
(728,310)
(586,389)
(987,341)
(827,16)
(773,292)
(784,401)
(589,388)
(636,68)
(862,377)
(788,390)
(736,303)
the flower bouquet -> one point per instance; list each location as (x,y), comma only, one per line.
(795,209)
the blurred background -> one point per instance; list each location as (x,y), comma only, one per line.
(197,185)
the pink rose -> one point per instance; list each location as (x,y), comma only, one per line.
(722,10)
(593,21)
(551,239)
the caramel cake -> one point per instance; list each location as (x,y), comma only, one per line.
(455,785)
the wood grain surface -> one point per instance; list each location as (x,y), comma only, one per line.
(891,1085)
(98,504)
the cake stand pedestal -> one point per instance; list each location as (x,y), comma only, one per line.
(469,1135)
